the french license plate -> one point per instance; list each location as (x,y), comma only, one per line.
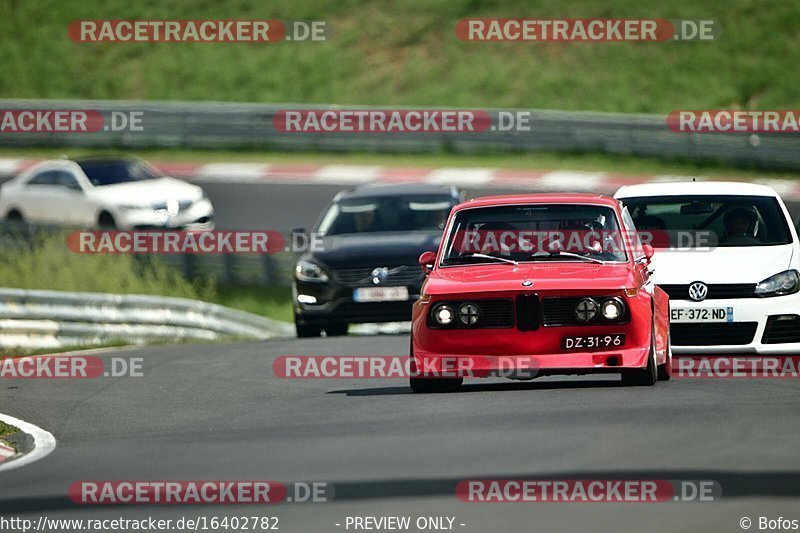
(701,314)
(380,294)
(593,342)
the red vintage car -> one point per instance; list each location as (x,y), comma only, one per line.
(539,284)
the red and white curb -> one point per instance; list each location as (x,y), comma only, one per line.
(43,445)
(554,180)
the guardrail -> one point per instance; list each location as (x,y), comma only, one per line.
(53,319)
(212,125)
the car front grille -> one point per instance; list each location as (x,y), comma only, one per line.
(561,312)
(719,291)
(397,275)
(782,329)
(710,334)
(494,313)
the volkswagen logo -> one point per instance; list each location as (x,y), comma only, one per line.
(698,291)
(586,310)
(469,313)
(379,275)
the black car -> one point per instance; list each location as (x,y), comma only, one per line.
(368,270)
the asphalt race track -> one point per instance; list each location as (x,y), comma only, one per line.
(218,412)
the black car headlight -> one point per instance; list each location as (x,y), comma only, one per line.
(309,271)
(781,284)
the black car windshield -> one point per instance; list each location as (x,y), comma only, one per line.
(701,221)
(102,173)
(423,212)
(534,232)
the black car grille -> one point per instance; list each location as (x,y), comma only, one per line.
(493,314)
(527,312)
(728,333)
(715,291)
(561,312)
(362,277)
(781,329)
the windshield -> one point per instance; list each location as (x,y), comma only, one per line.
(700,221)
(102,173)
(557,232)
(388,213)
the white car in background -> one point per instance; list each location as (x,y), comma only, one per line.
(121,193)
(728,256)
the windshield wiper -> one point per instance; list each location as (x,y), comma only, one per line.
(484,256)
(542,253)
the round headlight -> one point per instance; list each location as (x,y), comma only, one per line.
(612,309)
(586,310)
(469,314)
(443,314)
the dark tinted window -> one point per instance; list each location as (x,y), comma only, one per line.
(47,177)
(113,172)
(388,213)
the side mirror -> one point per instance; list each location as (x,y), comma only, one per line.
(648,251)
(426,261)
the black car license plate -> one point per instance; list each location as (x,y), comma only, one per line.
(593,342)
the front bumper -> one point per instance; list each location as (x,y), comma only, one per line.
(336,305)
(199,216)
(750,314)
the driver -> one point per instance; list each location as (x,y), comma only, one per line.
(740,226)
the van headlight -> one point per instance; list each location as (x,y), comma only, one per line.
(781,284)
(309,271)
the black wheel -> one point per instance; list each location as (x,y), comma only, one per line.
(647,376)
(665,370)
(106,221)
(16,221)
(335,330)
(434,385)
(306,330)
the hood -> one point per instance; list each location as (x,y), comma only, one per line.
(376,249)
(722,265)
(545,276)
(148,192)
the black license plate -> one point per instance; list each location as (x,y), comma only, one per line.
(593,342)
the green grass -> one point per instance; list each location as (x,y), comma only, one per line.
(7,429)
(626,165)
(274,302)
(406,53)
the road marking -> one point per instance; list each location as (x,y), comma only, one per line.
(461,176)
(43,443)
(569,179)
(348,174)
(232,172)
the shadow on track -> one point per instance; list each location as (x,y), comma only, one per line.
(487,387)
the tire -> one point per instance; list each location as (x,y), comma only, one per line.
(306,330)
(647,376)
(15,221)
(335,330)
(435,385)
(106,221)
(431,385)
(665,370)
